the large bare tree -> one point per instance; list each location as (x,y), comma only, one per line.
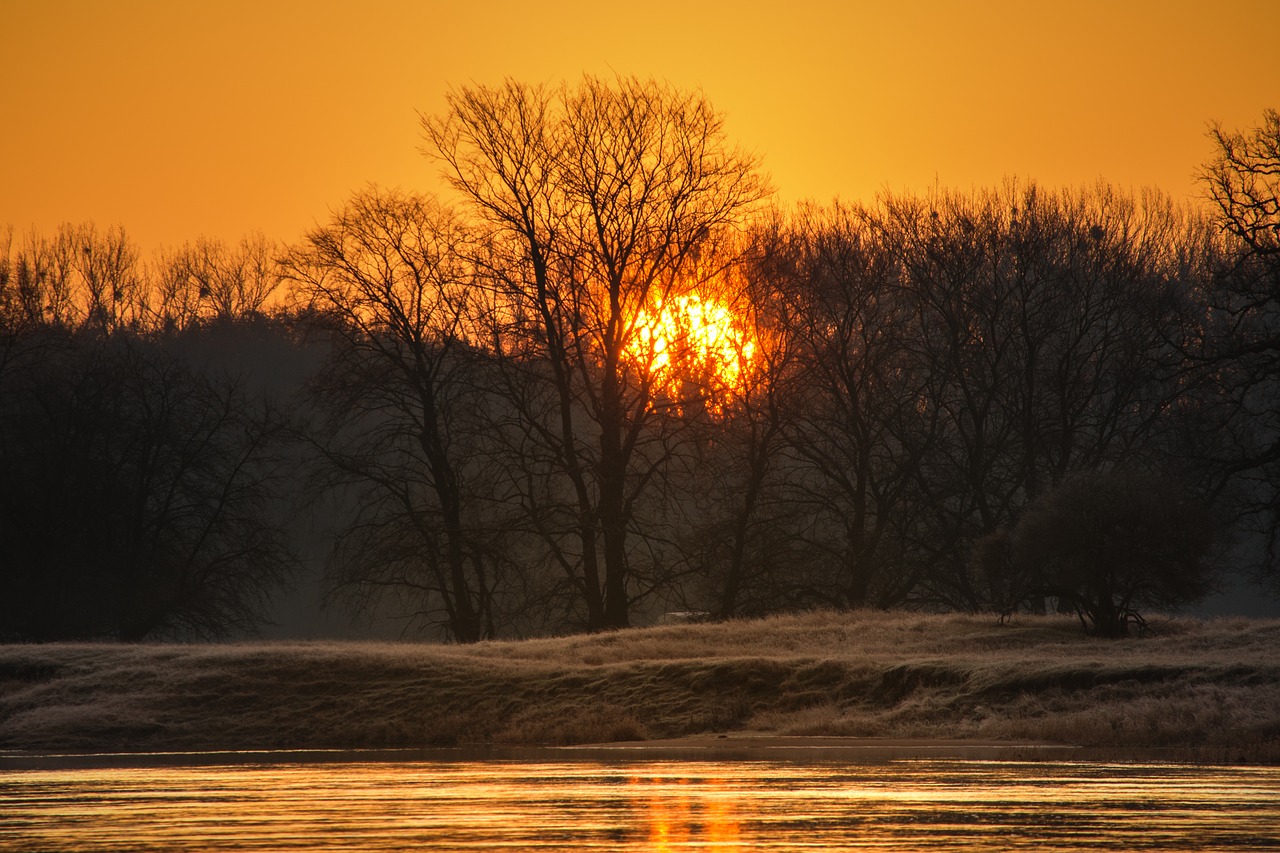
(1242,344)
(1047,327)
(600,199)
(390,278)
(858,433)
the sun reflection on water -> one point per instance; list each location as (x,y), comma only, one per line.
(642,806)
(684,812)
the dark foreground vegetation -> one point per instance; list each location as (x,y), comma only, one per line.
(1199,690)
(1009,400)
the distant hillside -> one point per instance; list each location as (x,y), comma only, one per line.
(1210,689)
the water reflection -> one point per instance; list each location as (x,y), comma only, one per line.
(695,810)
(424,806)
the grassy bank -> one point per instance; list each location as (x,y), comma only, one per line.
(1211,686)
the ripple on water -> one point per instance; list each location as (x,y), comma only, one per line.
(641,805)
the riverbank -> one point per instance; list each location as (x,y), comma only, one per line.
(1201,690)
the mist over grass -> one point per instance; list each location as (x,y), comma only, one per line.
(1211,687)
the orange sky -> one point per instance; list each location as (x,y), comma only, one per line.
(180,118)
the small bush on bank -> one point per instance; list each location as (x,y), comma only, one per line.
(1112,544)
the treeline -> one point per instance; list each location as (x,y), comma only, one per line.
(982,401)
(142,450)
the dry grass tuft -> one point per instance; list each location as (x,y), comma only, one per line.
(1205,685)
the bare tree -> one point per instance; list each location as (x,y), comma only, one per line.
(721,367)
(1048,327)
(1241,342)
(859,431)
(210,280)
(391,276)
(140,495)
(1243,182)
(142,472)
(751,432)
(82,277)
(600,199)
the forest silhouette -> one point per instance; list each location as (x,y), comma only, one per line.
(1007,399)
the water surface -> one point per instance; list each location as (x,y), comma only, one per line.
(641,806)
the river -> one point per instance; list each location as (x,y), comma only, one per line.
(283,805)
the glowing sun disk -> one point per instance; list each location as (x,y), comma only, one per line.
(689,339)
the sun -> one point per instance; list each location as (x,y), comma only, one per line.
(692,348)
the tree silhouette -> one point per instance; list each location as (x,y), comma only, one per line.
(142,464)
(858,434)
(391,279)
(210,281)
(1241,343)
(140,494)
(1111,543)
(1047,328)
(599,200)
(1243,181)
(515,409)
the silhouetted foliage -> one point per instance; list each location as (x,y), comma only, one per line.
(738,537)
(1110,544)
(140,457)
(81,278)
(1046,325)
(87,278)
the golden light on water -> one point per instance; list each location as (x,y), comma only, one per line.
(642,807)
(691,346)
(681,814)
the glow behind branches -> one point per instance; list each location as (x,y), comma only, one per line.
(692,348)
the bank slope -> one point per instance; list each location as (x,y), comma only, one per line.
(1207,686)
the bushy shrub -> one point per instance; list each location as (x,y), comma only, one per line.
(1109,544)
